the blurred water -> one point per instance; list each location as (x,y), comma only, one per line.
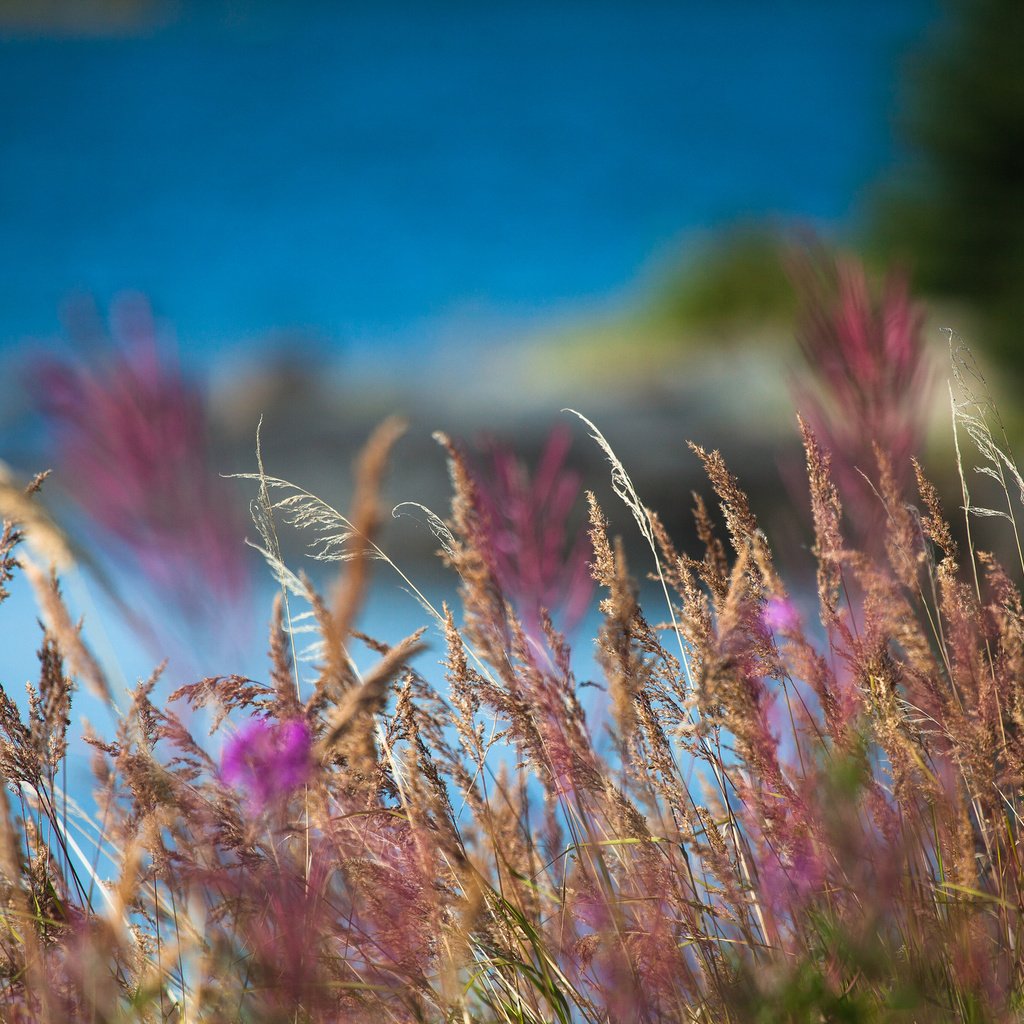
(368,173)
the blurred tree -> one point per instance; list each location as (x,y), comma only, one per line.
(955,211)
(730,280)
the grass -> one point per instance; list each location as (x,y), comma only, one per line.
(792,816)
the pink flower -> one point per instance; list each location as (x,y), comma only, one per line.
(780,615)
(268,761)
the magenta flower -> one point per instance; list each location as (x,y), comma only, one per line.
(267,761)
(532,553)
(780,615)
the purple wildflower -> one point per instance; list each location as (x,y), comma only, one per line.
(780,615)
(267,761)
(534,558)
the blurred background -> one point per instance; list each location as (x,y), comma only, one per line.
(473,215)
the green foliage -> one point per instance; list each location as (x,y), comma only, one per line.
(732,280)
(955,212)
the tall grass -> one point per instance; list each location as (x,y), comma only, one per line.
(795,816)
